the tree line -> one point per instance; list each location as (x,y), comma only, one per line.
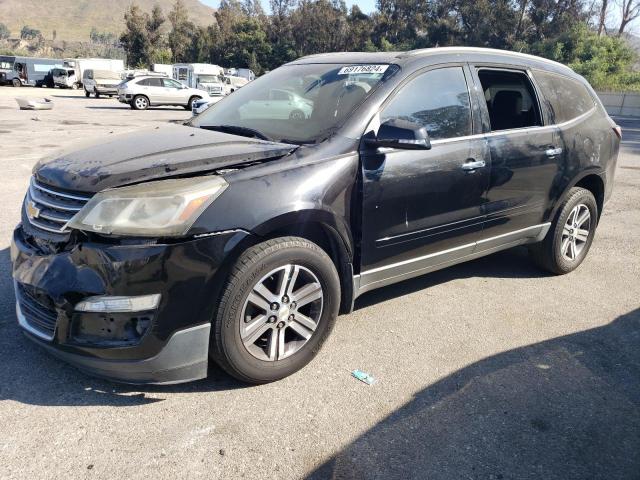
(574,32)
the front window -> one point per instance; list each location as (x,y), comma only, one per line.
(208,79)
(310,103)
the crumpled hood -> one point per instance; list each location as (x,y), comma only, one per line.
(166,151)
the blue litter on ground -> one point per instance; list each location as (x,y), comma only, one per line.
(363,377)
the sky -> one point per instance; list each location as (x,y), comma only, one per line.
(367,6)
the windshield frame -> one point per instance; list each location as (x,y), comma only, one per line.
(321,135)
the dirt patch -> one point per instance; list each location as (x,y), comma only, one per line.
(73,122)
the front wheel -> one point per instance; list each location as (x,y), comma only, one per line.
(16,83)
(571,234)
(74,86)
(189,104)
(276,311)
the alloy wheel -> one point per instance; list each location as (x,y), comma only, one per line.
(575,233)
(141,103)
(281,313)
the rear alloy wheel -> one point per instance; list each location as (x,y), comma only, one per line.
(571,234)
(140,102)
(297,115)
(277,309)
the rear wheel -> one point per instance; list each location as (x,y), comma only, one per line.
(140,102)
(571,234)
(74,86)
(297,115)
(276,311)
(87,93)
(16,82)
(96,93)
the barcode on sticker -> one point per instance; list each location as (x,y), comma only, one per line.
(353,69)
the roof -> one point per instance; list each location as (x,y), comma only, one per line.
(485,54)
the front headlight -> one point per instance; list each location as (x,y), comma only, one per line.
(154,209)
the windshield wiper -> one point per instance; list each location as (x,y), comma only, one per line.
(237,130)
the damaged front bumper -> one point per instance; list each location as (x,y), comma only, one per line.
(164,344)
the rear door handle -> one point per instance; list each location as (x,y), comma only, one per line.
(472,165)
(552,152)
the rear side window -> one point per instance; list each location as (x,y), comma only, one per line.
(511,99)
(155,82)
(144,82)
(566,98)
(437,100)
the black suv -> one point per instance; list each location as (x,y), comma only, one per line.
(242,234)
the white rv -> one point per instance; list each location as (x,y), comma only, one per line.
(202,76)
(162,68)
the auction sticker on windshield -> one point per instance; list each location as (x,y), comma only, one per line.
(363,69)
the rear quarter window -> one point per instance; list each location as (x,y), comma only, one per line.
(566,98)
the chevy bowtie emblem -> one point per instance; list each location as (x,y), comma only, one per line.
(32,210)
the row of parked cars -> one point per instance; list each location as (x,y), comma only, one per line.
(186,85)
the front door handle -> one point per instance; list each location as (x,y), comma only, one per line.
(552,152)
(473,165)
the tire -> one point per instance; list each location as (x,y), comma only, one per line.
(565,246)
(297,115)
(140,102)
(87,93)
(16,83)
(189,104)
(96,93)
(74,86)
(249,360)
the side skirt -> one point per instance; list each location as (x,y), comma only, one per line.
(389,274)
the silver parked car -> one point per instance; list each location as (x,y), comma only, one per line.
(143,92)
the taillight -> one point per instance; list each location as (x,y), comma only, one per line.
(618,131)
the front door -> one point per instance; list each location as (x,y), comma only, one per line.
(423,208)
(526,158)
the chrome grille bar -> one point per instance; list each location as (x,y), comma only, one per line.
(50,209)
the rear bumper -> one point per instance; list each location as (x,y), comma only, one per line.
(106,90)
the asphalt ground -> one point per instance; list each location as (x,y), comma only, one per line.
(488,370)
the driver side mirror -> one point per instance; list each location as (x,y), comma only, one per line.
(402,134)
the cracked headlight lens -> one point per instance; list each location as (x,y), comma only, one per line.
(153,209)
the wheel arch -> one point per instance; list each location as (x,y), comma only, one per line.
(590,180)
(317,226)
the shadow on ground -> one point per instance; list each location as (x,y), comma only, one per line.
(567,408)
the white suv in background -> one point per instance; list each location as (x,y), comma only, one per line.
(146,91)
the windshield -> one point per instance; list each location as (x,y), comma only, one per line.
(296,103)
(208,79)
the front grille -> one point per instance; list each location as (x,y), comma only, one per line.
(50,209)
(37,310)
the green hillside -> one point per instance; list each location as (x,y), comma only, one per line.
(73,19)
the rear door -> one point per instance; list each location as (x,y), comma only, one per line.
(174,92)
(156,91)
(526,156)
(423,208)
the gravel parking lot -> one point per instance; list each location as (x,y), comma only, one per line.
(490,369)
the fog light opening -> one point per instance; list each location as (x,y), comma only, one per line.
(104,304)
